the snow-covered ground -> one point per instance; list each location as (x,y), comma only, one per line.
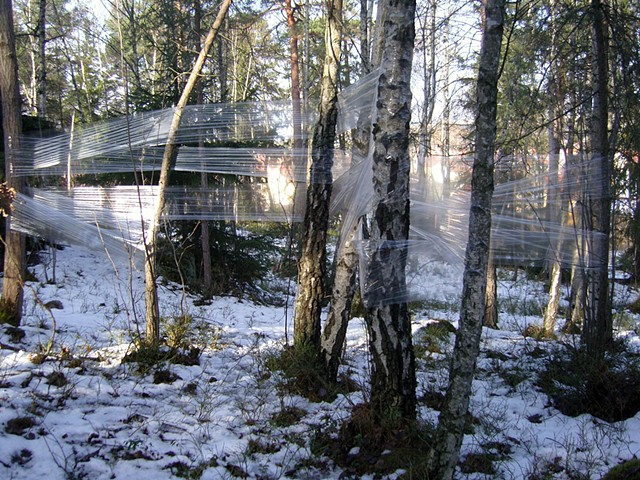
(82,413)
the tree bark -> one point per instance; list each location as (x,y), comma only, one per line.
(345,281)
(393,379)
(450,430)
(313,259)
(205,243)
(295,77)
(491,308)
(597,330)
(14,254)
(554,194)
(344,289)
(635,224)
(41,102)
(364,36)
(170,153)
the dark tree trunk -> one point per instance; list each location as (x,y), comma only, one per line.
(14,255)
(312,265)
(635,226)
(393,380)
(450,431)
(364,36)
(41,102)
(597,330)
(205,243)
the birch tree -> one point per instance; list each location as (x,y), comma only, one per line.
(450,430)
(345,282)
(14,253)
(393,380)
(312,265)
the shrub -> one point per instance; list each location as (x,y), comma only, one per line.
(608,388)
(304,373)
(432,338)
(366,445)
(238,260)
(629,470)
(288,416)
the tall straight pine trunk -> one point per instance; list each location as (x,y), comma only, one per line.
(295,77)
(450,431)
(597,329)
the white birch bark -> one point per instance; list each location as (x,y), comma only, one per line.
(450,430)
(393,380)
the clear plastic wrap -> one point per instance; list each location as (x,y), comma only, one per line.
(536,217)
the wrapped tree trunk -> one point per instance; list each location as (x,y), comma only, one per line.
(312,265)
(393,379)
(450,431)
(345,282)
(554,192)
(14,254)
(344,289)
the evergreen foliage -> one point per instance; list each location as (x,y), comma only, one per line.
(608,388)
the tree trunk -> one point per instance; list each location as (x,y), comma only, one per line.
(205,243)
(491,308)
(41,102)
(575,315)
(347,259)
(393,379)
(551,310)
(597,330)
(14,254)
(170,154)
(450,430)
(364,36)
(313,259)
(344,289)
(295,78)
(635,224)
(554,194)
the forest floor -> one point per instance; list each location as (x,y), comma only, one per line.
(83,412)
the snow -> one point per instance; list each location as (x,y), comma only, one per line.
(97,417)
